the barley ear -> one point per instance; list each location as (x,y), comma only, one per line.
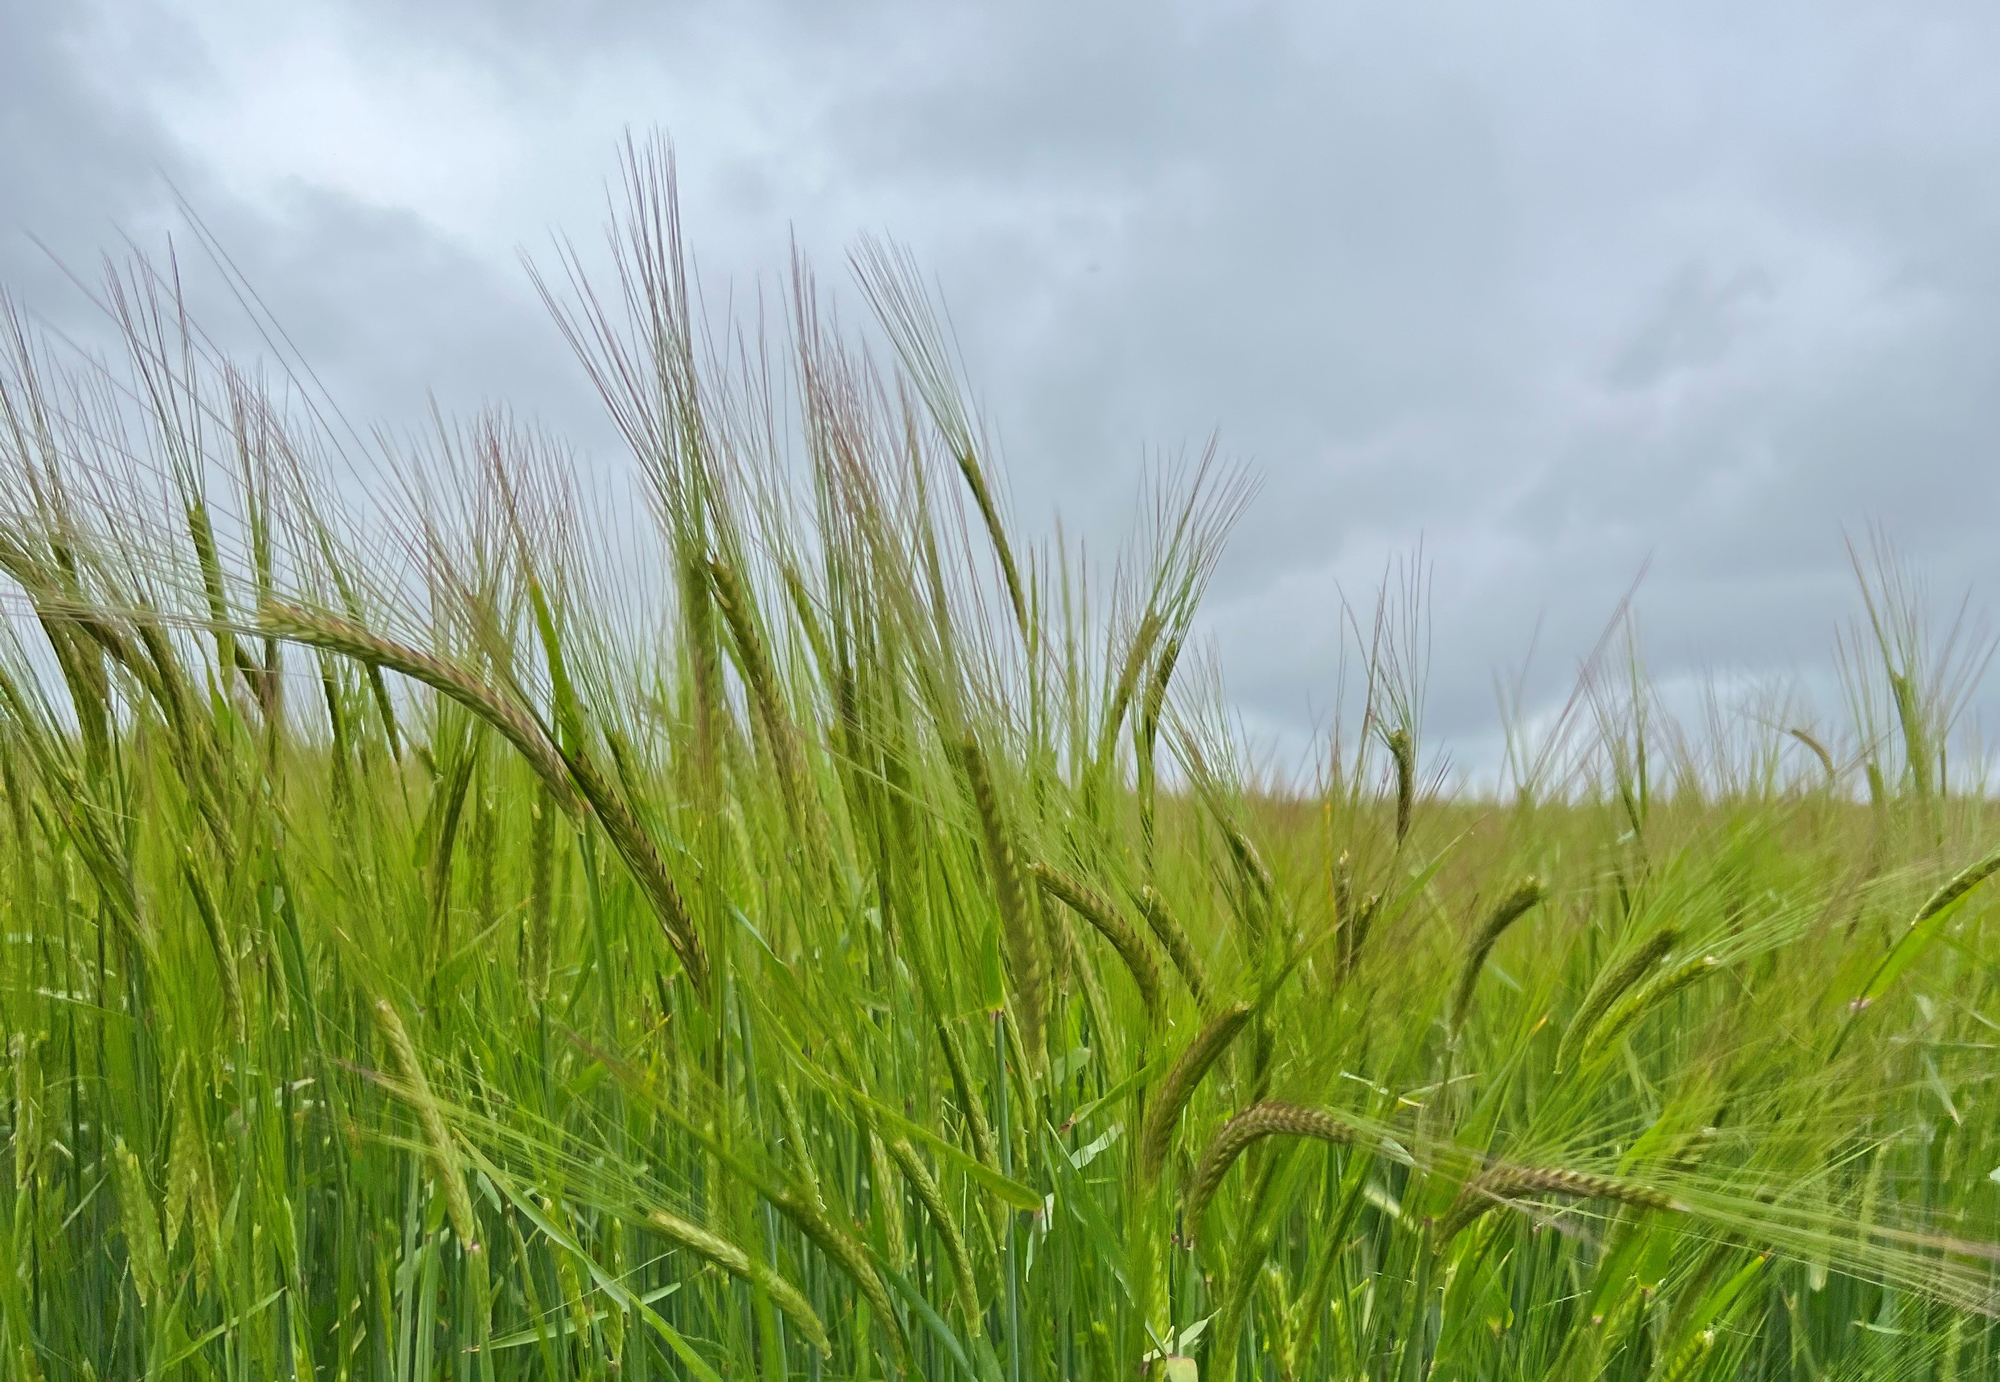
(349,639)
(762,679)
(734,1260)
(817,1223)
(1260,891)
(27,1109)
(145,1253)
(1403,750)
(622,828)
(947,1228)
(1175,941)
(1634,1007)
(1024,957)
(1268,1119)
(1819,751)
(974,1109)
(1502,1182)
(1179,1086)
(1096,909)
(219,945)
(1610,988)
(444,1153)
(1510,910)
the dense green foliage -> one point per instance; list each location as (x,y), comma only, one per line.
(831,941)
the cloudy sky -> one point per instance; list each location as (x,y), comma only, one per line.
(1555,288)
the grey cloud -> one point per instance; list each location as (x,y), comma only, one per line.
(73,164)
(1697,319)
(1558,288)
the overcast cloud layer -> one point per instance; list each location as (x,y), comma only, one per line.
(1553,287)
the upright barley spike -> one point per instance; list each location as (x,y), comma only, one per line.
(1403,750)
(145,1252)
(1357,919)
(1175,941)
(1023,946)
(1510,910)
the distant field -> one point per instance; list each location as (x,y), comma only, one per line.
(858,950)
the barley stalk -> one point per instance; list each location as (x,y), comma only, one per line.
(541,851)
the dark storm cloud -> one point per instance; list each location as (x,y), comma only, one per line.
(1556,287)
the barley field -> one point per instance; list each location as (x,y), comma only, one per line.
(841,937)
